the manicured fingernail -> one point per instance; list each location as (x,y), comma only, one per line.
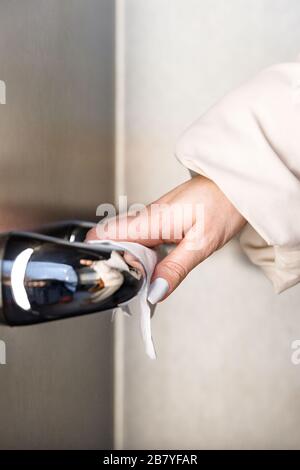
(157,290)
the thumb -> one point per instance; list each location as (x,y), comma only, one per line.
(173,269)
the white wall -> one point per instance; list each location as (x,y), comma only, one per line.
(223,377)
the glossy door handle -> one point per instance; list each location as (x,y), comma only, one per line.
(46,278)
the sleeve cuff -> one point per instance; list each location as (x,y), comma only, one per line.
(249,145)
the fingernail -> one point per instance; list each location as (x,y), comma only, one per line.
(157,290)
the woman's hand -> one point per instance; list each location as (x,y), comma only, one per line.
(196,216)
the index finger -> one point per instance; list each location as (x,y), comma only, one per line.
(126,228)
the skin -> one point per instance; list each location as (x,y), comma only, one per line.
(195,243)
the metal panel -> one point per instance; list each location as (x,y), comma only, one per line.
(56,134)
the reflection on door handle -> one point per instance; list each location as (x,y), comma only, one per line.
(52,274)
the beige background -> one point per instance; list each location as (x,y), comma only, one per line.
(223,377)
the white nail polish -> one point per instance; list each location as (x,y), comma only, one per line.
(157,290)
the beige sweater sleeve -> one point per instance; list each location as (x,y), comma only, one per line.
(249,145)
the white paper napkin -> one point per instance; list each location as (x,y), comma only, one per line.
(148,259)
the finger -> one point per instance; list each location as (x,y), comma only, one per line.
(138,229)
(173,269)
(117,225)
(108,229)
